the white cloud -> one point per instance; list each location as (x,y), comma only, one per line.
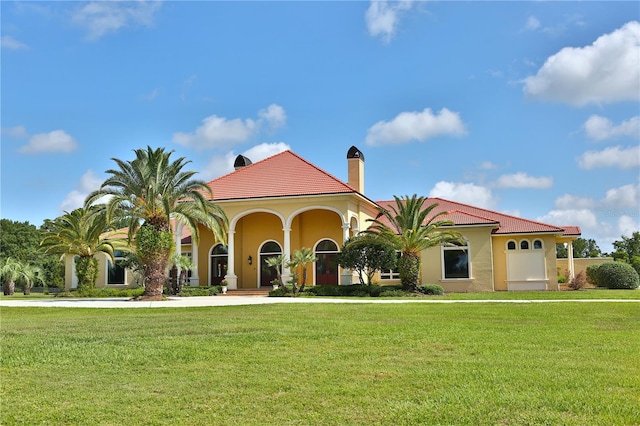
(54,141)
(220,132)
(382,18)
(468,193)
(150,96)
(615,156)
(628,225)
(274,116)
(627,196)
(532,24)
(606,71)
(584,218)
(488,165)
(8,42)
(600,128)
(420,126)
(220,165)
(568,201)
(522,180)
(99,18)
(16,132)
(88,183)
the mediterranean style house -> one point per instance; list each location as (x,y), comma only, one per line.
(283,203)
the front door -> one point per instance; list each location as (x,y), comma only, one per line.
(327,263)
(268,273)
(219,260)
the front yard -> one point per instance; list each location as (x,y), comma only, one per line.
(565,363)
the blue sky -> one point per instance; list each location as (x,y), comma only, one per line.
(529,108)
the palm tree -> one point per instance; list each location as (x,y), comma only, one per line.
(10,270)
(301,258)
(149,191)
(28,276)
(277,262)
(83,233)
(180,264)
(411,229)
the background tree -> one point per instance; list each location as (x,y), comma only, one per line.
(366,255)
(82,233)
(151,190)
(410,227)
(300,259)
(582,248)
(30,275)
(628,250)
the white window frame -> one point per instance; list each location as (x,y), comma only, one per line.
(466,248)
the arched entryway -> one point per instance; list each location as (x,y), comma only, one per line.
(268,273)
(218,262)
(326,263)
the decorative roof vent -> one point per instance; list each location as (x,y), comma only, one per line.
(241,161)
(355,153)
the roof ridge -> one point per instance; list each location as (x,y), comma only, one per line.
(324,171)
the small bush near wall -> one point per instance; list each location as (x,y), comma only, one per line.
(431,289)
(592,274)
(103,292)
(578,282)
(617,275)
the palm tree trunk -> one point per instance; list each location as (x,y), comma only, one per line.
(155,247)
(409,269)
(9,288)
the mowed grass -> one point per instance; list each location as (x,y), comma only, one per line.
(405,364)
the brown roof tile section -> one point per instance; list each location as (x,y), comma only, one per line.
(464,214)
(284,174)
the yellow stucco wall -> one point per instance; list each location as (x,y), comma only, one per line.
(579,264)
(69,271)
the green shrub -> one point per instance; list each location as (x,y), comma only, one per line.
(432,289)
(561,279)
(617,275)
(200,291)
(103,292)
(280,292)
(592,274)
(393,293)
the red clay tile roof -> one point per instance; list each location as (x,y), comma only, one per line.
(572,230)
(463,214)
(284,174)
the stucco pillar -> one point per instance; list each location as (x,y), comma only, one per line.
(345,232)
(348,276)
(286,273)
(231,277)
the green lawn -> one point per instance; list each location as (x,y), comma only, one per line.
(302,364)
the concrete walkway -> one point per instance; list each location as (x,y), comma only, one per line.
(187,302)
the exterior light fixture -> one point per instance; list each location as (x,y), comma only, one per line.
(250,260)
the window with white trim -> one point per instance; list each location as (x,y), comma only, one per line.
(455,262)
(524,245)
(511,245)
(391,274)
(537,244)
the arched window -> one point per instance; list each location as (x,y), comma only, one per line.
(326,263)
(218,263)
(268,273)
(537,244)
(524,245)
(511,245)
(455,261)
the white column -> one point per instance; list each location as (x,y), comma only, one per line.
(286,273)
(570,260)
(231,277)
(348,276)
(178,237)
(345,232)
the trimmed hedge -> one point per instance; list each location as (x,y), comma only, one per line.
(592,274)
(103,292)
(356,290)
(617,275)
(431,289)
(200,291)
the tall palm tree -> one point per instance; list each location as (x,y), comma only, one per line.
(301,258)
(410,228)
(83,233)
(149,191)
